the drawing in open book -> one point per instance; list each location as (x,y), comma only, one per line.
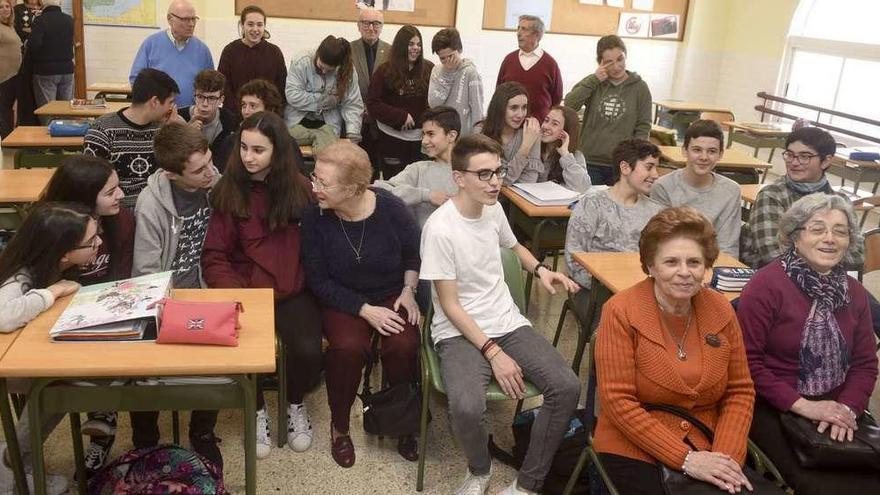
(113,302)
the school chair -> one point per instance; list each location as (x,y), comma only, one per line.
(720,117)
(431,378)
(760,461)
(865,205)
(584,333)
(872,252)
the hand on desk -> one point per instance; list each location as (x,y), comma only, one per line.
(63,287)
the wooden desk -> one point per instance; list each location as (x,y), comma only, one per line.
(23,185)
(102,88)
(732,159)
(61,108)
(544,224)
(9,434)
(37,136)
(687,106)
(758,135)
(29,357)
(750,192)
(856,171)
(306,151)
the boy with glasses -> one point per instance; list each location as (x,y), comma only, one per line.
(807,155)
(208,114)
(477,328)
(696,185)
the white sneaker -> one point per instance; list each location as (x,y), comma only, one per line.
(264,444)
(299,428)
(55,483)
(513,489)
(474,485)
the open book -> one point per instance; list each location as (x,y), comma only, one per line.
(546,193)
(122,310)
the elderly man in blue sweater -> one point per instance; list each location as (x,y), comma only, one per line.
(175,51)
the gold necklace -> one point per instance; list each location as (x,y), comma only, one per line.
(682,354)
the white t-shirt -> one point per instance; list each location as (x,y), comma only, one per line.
(468,251)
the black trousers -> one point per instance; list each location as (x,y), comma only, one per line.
(8,94)
(298,324)
(631,476)
(767,433)
(145,426)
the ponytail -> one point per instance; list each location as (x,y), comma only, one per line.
(336,52)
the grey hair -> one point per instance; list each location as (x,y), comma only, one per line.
(539,24)
(802,210)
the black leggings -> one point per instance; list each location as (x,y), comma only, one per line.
(298,324)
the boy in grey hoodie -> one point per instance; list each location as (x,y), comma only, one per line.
(618,107)
(427,184)
(456,81)
(172,215)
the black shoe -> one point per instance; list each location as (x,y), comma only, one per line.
(206,445)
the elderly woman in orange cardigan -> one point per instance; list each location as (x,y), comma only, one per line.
(669,340)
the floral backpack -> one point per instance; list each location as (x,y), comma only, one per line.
(158,470)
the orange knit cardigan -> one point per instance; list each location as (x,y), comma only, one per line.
(634,366)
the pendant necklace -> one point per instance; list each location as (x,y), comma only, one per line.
(681,353)
(357,251)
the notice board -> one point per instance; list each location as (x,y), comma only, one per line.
(426,13)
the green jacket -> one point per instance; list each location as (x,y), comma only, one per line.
(613,113)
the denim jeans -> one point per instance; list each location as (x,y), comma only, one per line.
(54,87)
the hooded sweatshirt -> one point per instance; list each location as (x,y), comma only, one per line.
(159,229)
(614,112)
(461,89)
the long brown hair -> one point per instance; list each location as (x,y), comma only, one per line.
(548,150)
(494,122)
(336,52)
(288,195)
(48,233)
(397,69)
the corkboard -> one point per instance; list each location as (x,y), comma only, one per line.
(571,17)
(427,12)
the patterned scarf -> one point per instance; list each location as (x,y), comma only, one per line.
(824,355)
(807,187)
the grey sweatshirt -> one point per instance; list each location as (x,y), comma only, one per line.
(414,184)
(20,302)
(720,203)
(574,173)
(461,89)
(157,227)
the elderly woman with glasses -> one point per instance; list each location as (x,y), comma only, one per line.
(809,340)
(361,254)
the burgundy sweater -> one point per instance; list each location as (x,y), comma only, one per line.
(772,312)
(390,106)
(543,82)
(114,257)
(243,252)
(241,63)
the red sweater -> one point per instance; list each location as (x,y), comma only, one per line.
(543,82)
(243,252)
(391,106)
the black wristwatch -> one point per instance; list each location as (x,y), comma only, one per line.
(540,265)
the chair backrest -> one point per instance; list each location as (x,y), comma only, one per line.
(872,251)
(720,117)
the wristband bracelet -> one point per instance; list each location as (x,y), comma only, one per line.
(684,464)
(486,346)
(539,266)
(497,352)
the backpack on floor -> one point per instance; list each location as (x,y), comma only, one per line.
(158,470)
(566,458)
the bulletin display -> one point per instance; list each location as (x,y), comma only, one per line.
(425,12)
(649,19)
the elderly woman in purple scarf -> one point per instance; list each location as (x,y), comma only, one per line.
(809,341)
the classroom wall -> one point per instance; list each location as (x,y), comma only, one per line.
(731,49)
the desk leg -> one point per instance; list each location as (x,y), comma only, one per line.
(248,384)
(536,250)
(592,309)
(79,459)
(11,440)
(35,417)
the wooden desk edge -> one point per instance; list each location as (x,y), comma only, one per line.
(532,210)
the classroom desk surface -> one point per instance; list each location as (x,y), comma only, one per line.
(619,271)
(306,151)
(750,192)
(760,129)
(23,185)
(687,106)
(62,108)
(110,87)
(732,158)
(29,354)
(37,136)
(532,209)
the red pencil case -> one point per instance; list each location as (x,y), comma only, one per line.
(189,322)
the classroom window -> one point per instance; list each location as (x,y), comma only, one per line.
(833,61)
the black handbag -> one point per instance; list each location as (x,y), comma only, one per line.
(393,411)
(818,450)
(677,483)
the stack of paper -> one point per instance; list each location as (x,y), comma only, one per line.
(546,193)
(86,103)
(113,311)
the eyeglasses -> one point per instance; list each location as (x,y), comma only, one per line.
(486,175)
(802,158)
(318,186)
(93,244)
(188,20)
(207,98)
(820,229)
(370,24)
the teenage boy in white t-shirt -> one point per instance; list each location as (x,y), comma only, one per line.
(477,329)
